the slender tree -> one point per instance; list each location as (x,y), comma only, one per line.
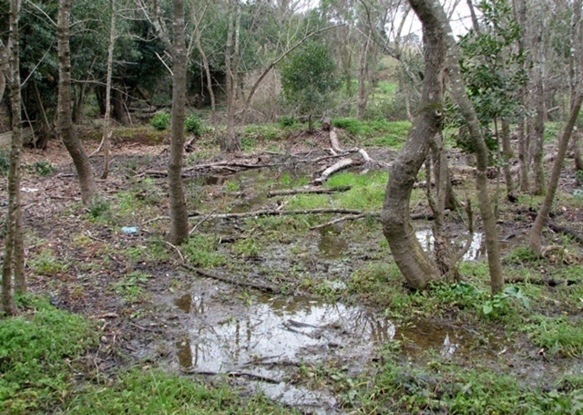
(178,214)
(13,264)
(89,192)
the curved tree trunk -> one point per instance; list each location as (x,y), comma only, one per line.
(417,268)
(68,132)
(178,214)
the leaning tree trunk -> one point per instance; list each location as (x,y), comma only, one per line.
(536,231)
(68,132)
(178,214)
(13,262)
(459,95)
(415,265)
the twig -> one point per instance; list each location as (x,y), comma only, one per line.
(218,277)
(230,374)
(343,219)
(204,219)
(176,249)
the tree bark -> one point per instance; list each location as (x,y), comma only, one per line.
(13,264)
(67,129)
(519,9)
(535,240)
(107,131)
(231,143)
(415,265)
(507,149)
(460,97)
(178,213)
(540,112)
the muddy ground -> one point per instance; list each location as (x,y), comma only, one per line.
(116,268)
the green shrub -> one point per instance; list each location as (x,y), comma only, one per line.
(287,120)
(43,167)
(160,120)
(4,160)
(352,125)
(193,124)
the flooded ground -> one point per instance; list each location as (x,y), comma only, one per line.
(266,340)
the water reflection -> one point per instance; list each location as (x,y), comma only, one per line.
(477,247)
(282,329)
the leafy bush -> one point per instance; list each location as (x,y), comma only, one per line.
(43,167)
(4,160)
(160,120)
(193,124)
(352,125)
(287,120)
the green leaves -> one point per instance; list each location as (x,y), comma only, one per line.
(498,301)
(308,76)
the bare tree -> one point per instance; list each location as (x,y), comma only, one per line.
(231,143)
(89,192)
(178,214)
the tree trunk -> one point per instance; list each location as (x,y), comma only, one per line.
(460,97)
(540,112)
(415,265)
(536,231)
(178,213)
(507,150)
(519,9)
(66,127)
(13,264)
(231,143)
(107,131)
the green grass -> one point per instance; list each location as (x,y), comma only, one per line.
(42,357)
(446,387)
(201,251)
(376,132)
(37,352)
(559,336)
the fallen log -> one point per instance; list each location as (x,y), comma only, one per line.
(309,190)
(566,231)
(265,212)
(340,165)
(241,283)
(551,282)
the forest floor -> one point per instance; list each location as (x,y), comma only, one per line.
(309,312)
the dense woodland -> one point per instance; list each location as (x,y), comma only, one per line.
(491,91)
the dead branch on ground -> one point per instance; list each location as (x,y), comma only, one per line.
(309,190)
(241,283)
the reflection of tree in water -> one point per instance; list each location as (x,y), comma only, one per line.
(282,328)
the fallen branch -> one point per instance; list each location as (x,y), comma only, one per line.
(551,282)
(341,219)
(340,165)
(310,190)
(566,231)
(228,280)
(280,213)
(230,374)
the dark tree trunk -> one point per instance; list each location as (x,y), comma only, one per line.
(67,129)
(178,214)
(13,263)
